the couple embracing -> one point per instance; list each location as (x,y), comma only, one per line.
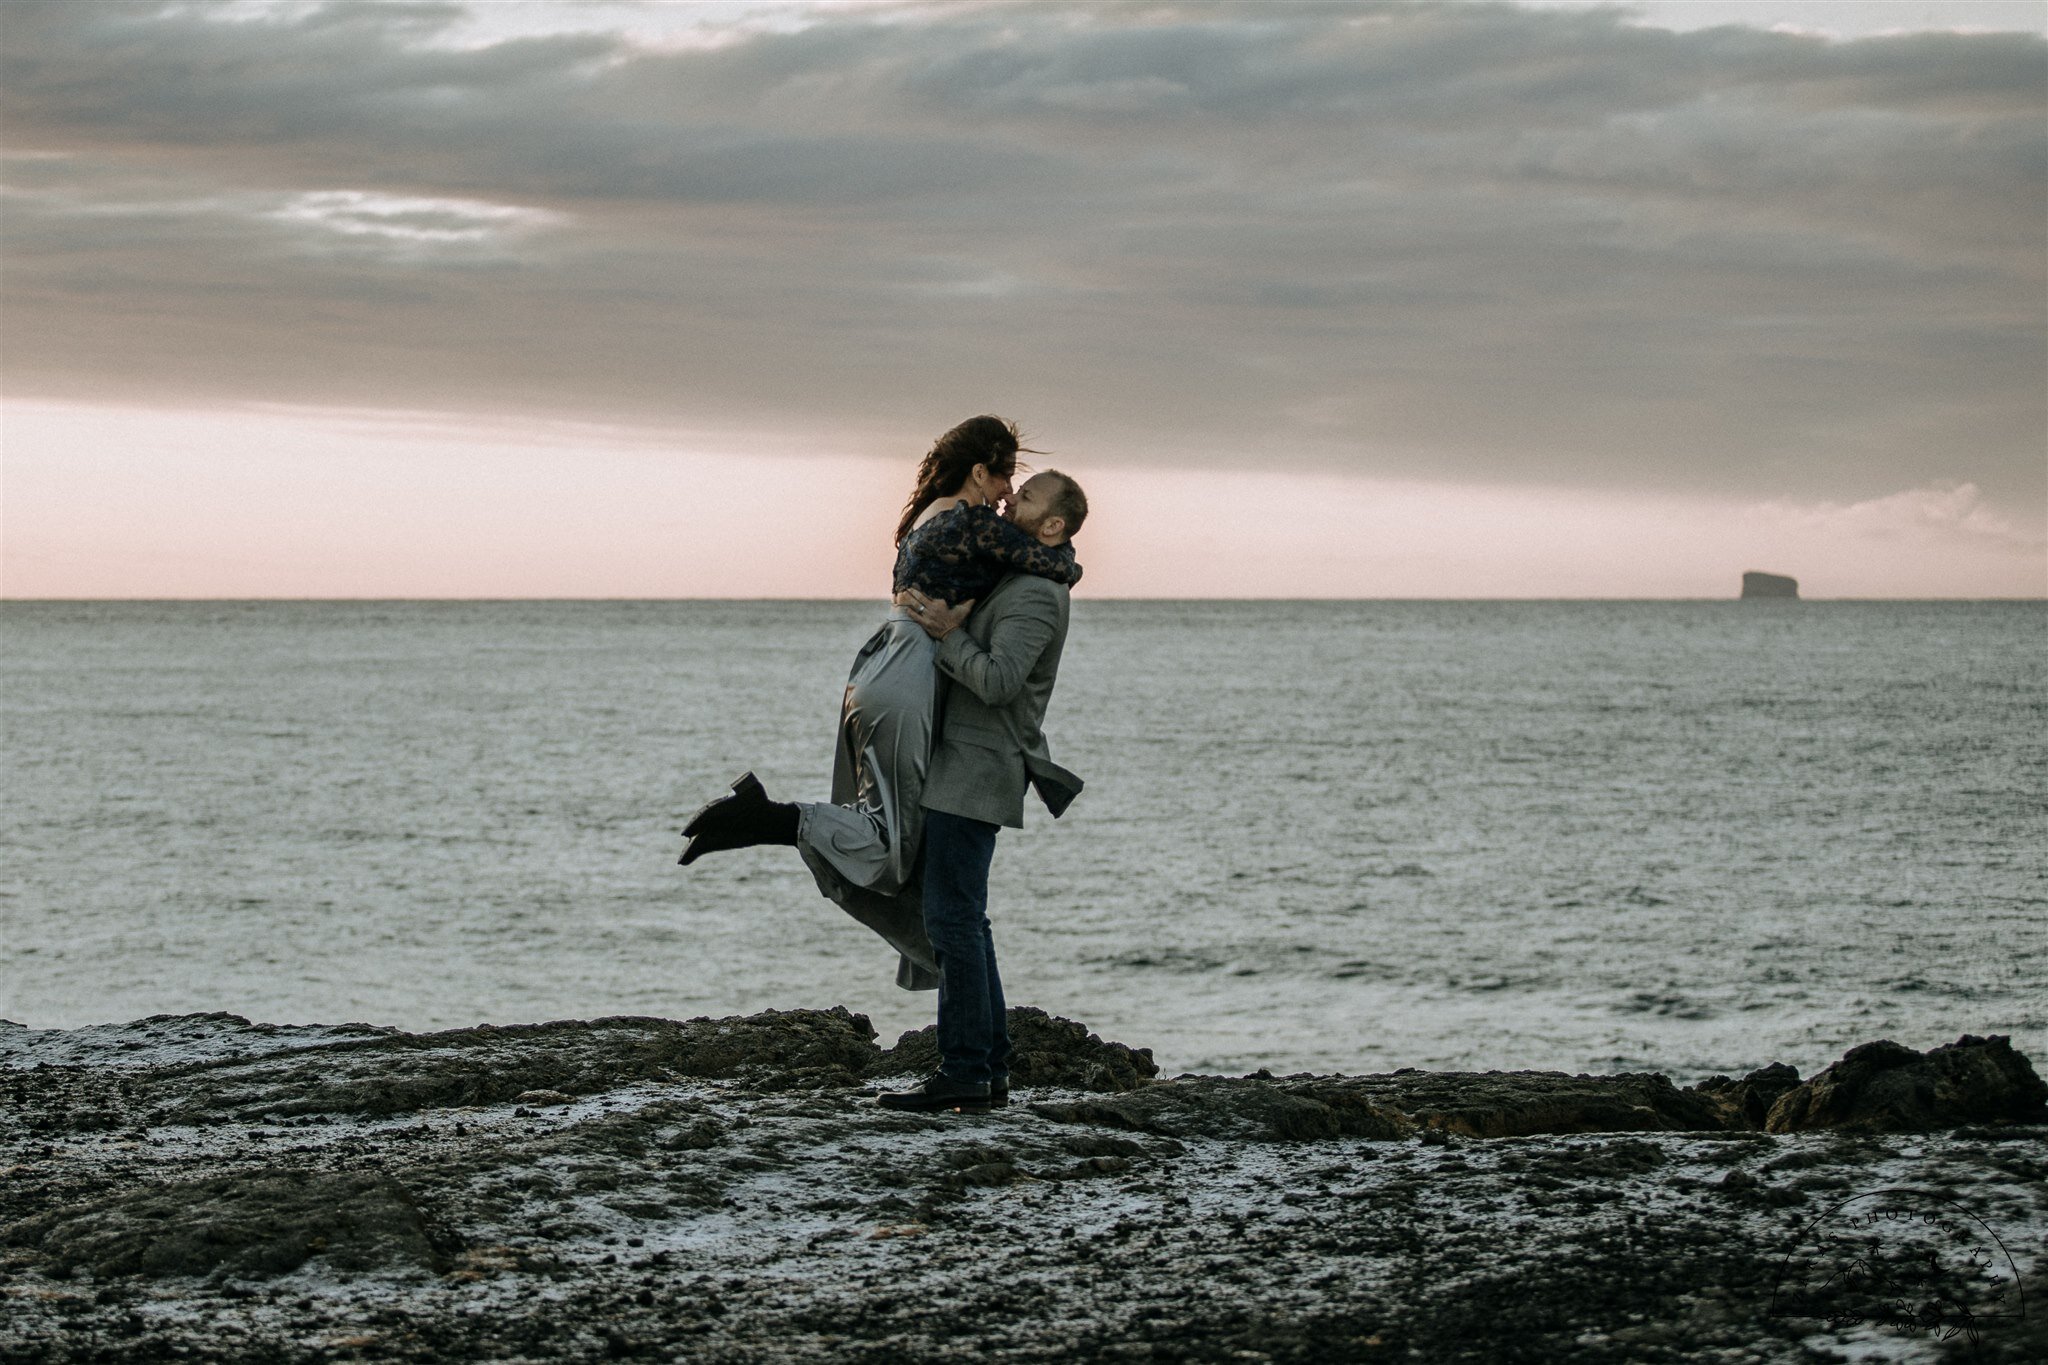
(939,736)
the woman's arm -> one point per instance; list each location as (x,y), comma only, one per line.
(965,551)
(991,537)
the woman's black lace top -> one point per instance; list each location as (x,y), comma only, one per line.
(961,553)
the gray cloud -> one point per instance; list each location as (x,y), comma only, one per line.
(1465,241)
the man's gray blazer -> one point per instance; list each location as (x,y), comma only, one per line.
(1000,667)
(997,672)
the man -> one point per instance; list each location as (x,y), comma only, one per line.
(999,664)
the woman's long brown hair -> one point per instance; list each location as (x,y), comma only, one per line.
(979,440)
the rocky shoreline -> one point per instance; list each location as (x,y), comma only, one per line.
(724,1190)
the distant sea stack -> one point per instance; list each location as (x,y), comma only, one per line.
(1756,584)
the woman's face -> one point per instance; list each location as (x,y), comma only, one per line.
(992,487)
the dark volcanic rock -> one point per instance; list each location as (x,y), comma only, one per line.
(1045,1050)
(1220,1107)
(1747,1103)
(260,1223)
(1521,1103)
(1884,1087)
(405,1072)
(762,1207)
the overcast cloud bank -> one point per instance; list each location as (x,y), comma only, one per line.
(1465,242)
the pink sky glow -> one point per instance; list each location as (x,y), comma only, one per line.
(120,502)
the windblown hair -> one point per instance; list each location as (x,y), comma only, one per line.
(1069,503)
(978,440)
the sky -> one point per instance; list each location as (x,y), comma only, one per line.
(1460,299)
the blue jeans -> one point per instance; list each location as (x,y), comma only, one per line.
(974,1040)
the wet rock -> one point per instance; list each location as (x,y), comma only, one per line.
(543,1097)
(404,1072)
(699,1135)
(1524,1103)
(1616,1160)
(767,1200)
(1095,1145)
(256,1224)
(1045,1050)
(985,1173)
(1885,1087)
(1747,1103)
(1219,1107)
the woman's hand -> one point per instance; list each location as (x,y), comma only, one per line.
(938,619)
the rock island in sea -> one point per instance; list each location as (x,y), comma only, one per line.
(1769,585)
(202,1188)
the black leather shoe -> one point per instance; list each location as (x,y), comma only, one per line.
(999,1093)
(939,1094)
(736,820)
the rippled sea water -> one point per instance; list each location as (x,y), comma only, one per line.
(1687,836)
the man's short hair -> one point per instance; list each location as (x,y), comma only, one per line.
(1068,502)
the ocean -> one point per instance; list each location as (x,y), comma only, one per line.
(1692,837)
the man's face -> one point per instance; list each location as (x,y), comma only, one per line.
(1029,507)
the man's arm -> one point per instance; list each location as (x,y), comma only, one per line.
(1023,626)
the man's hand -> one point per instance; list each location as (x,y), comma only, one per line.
(938,619)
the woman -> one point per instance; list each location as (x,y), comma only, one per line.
(951,543)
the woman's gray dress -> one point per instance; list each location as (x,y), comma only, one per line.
(863,847)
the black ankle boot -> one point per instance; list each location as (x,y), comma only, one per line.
(743,819)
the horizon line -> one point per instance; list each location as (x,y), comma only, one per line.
(346,601)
